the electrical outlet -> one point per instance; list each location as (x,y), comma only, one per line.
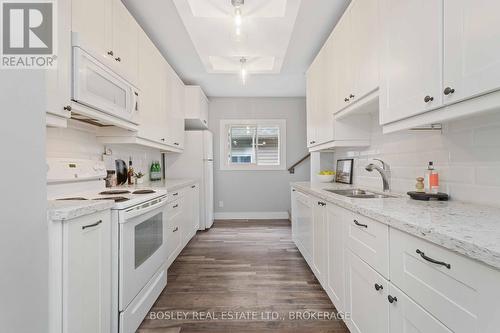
(221,204)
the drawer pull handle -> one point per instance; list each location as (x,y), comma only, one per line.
(176,193)
(378,287)
(92,225)
(175,206)
(360,224)
(429,259)
(194,186)
(392,299)
(176,229)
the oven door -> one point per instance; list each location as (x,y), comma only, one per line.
(143,251)
(98,87)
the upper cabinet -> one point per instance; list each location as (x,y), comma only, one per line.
(411,53)
(196,108)
(106,28)
(175,110)
(440,61)
(344,79)
(58,84)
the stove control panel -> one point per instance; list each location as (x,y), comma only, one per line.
(71,170)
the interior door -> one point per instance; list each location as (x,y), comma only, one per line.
(411,57)
(472,48)
(125,42)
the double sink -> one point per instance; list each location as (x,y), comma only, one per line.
(360,194)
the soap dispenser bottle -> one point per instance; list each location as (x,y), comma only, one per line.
(431,179)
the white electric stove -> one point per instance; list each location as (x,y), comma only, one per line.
(139,233)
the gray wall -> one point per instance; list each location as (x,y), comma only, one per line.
(23,222)
(249,193)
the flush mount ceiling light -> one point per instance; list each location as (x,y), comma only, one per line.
(238,19)
(243,71)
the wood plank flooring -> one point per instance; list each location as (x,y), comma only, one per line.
(245,269)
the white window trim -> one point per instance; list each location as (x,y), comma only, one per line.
(224,147)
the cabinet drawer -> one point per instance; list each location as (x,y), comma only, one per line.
(461,293)
(369,240)
(174,195)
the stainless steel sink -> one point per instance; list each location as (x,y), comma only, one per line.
(360,194)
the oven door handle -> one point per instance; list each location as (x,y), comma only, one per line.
(145,208)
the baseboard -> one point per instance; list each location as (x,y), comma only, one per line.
(251,216)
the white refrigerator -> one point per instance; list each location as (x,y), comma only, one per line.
(197,161)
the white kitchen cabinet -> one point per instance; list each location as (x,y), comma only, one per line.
(191,211)
(196,108)
(59,80)
(471,49)
(80,274)
(335,230)
(314,97)
(125,42)
(411,58)
(92,21)
(406,316)
(341,57)
(174,225)
(303,216)
(366,297)
(319,242)
(175,110)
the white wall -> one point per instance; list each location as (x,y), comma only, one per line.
(254,194)
(467,156)
(79,141)
(23,221)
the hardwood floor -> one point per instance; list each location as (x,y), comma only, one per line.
(245,269)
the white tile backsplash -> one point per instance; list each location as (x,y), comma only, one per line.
(466,154)
(80,141)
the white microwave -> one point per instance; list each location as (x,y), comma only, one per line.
(98,87)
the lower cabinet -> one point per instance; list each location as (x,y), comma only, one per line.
(183,219)
(303,216)
(366,297)
(80,274)
(319,241)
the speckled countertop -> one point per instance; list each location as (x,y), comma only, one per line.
(63,210)
(468,229)
(172,184)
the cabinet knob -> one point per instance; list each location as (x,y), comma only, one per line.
(176,143)
(118,59)
(346,100)
(111,53)
(392,299)
(68,108)
(351,96)
(162,139)
(176,229)
(428,99)
(448,91)
(378,287)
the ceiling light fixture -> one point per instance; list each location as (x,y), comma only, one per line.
(238,19)
(243,72)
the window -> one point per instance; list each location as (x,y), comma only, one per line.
(253,144)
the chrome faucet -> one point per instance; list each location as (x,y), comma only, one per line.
(385,172)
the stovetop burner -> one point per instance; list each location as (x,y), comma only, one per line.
(68,199)
(116,199)
(110,192)
(143,192)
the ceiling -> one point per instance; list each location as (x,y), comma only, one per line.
(279,39)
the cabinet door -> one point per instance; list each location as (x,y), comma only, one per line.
(411,58)
(472,50)
(319,241)
(294,214)
(324,120)
(406,316)
(341,56)
(125,42)
(174,233)
(87,274)
(369,307)
(311,105)
(175,110)
(59,80)
(364,47)
(92,20)
(152,80)
(195,207)
(335,255)
(304,221)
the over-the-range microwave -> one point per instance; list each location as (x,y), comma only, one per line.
(98,87)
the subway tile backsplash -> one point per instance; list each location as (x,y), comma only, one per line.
(466,154)
(79,141)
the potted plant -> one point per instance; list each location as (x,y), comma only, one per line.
(139,178)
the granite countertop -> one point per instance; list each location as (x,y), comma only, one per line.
(469,229)
(171,184)
(62,210)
